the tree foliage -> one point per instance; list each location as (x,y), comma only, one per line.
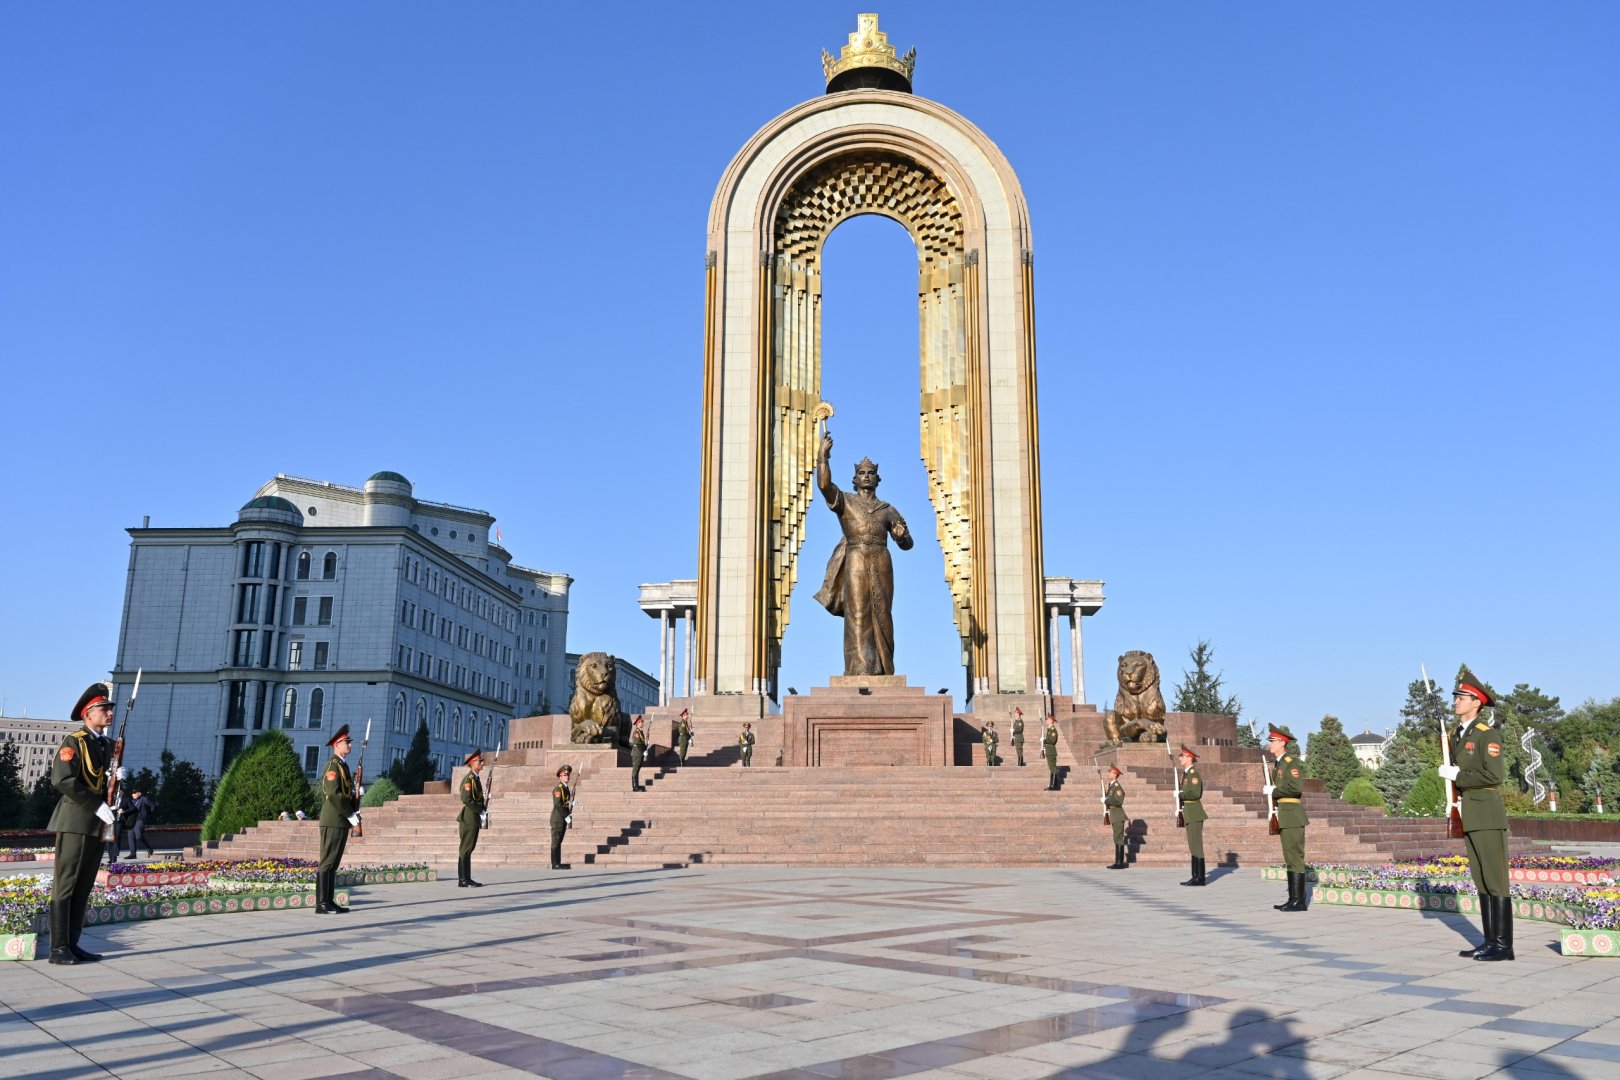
(379,792)
(417,766)
(1330,758)
(182,792)
(1361,792)
(261,782)
(1427,798)
(1200,690)
(41,802)
(1406,760)
(13,799)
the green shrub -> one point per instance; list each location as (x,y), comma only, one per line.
(261,782)
(1427,797)
(1517,801)
(1361,792)
(379,792)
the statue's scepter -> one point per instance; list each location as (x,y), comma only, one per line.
(820,415)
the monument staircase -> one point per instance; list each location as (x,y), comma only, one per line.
(714,812)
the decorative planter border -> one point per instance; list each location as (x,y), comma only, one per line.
(27,856)
(142,878)
(1589,943)
(141,911)
(17,946)
(1571,942)
(385,877)
(1524,876)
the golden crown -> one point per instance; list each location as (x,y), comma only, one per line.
(868,48)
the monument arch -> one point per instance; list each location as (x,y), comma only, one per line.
(869,151)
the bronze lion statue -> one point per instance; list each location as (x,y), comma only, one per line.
(1139,707)
(595,706)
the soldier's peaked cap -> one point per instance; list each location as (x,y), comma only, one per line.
(1280,733)
(472,757)
(1469,683)
(1114,769)
(338,736)
(94,693)
(1189,751)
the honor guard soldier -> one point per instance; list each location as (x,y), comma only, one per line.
(683,734)
(474,815)
(1049,739)
(638,752)
(1114,800)
(991,739)
(340,804)
(1477,770)
(562,815)
(1288,787)
(1018,735)
(79,775)
(1193,813)
(745,743)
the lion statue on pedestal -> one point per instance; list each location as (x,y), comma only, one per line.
(1138,714)
(595,707)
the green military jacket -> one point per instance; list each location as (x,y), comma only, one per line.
(746,740)
(683,734)
(1115,795)
(79,775)
(473,802)
(1192,796)
(638,745)
(1018,731)
(562,803)
(990,740)
(1049,742)
(1288,783)
(337,787)
(1481,768)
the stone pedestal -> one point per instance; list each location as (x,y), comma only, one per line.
(867,720)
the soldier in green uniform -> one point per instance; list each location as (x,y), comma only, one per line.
(1113,800)
(562,815)
(1193,813)
(745,743)
(1288,788)
(1049,739)
(1477,770)
(638,751)
(79,775)
(340,803)
(991,739)
(683,734)
(474,813)
(1018,735)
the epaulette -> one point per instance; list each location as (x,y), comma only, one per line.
(1482,727)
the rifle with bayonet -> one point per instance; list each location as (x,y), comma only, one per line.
(1454,822)
(489,788)
(109,830)
(1104,785)
(1273,825)
(1175,770)
(359,782)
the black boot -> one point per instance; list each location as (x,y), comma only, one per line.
(85,955)
(331,893)
(556,856)
(1304,891)
(461,871)
(1292,903)
(1119,858)
(1199,874)
(320,893)
(63,956)
(466,873)
(1487,923)
(1194,879)
(1501,946)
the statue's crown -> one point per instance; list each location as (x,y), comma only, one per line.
(866,463)
(868,61)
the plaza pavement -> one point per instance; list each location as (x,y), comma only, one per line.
(720,973)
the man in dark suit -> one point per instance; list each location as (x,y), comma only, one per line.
(136,819)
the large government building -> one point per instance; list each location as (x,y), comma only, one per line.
(324,605)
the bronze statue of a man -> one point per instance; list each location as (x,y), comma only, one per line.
(860,575)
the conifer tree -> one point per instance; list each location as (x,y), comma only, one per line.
(1200,690)
(13,799)
(261,782)
(1330,758)
(41,802)
(417,767)
(182,792)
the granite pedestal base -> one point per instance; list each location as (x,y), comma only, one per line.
(867,722)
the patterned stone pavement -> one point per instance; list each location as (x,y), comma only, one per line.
(796,974)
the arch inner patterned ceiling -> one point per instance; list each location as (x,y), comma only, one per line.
(927,168)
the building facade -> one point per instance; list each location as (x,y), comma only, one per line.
(36,741)
(324,605)
(1369,748)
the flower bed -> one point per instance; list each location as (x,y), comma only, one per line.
(27,854)
(117,876)
(1537,869)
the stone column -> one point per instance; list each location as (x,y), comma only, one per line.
(1054,632)
(1075,657)
(688,616)
(663,657)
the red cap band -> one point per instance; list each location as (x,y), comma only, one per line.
(1476,691)
(92,703)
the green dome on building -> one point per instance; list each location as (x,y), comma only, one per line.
(392,477)
(271,502)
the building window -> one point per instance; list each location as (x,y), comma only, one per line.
(236,706)
(329,566)
(275,562)
(320,655)
(247,604)
(438,722)
(324,616)
(455,724)
(399,714)
(404,660)
(421,713)
(253,559)
(545,619)
(399,753)
(270,606)
(312,759)
(266,650)
(243,656)
(503,734)
(300,611)
(295,656)
(303,566)
(289,707)
(317,707)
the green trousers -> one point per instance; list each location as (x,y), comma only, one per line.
(333,841)
(469,837)
(73,875)
(1293,849)
(1488,860)
(1195,839)
(1116,818)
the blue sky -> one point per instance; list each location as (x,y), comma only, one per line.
(1326,309)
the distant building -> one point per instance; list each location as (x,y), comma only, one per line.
(36,741)
(324,605)
(638,691)
(1369,748)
